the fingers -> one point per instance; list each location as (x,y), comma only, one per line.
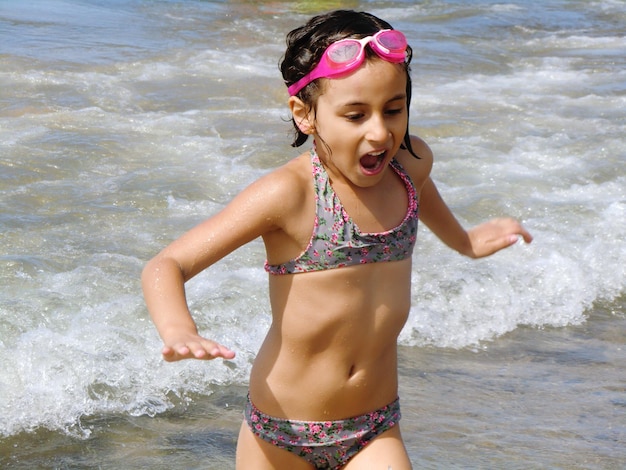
(204,350)
(526,235)
(516,230)
(489,247)
(225,353)
(496,235)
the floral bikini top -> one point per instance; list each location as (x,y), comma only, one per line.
(337,241)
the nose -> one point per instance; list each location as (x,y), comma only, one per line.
(377,130)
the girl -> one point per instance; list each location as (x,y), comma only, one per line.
(339,224)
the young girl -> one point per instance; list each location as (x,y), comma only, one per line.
(339,224)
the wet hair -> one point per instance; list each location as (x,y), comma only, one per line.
(306,45)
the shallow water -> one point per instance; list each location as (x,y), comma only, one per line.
(124,124)
(551,398)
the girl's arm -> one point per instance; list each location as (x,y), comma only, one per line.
(163,285)
(249,215)
(482,240)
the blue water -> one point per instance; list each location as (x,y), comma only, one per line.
(124,123)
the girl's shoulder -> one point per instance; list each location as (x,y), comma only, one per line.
(291,179)
(287,187)
(417,169)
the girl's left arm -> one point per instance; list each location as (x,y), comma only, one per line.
(477,242)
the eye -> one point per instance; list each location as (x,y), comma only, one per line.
(394,111)
(353,117)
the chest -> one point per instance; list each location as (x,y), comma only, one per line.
(371,210)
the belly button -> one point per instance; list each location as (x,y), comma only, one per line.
(351,372)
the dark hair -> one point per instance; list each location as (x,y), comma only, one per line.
(306,44)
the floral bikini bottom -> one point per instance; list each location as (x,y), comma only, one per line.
(324,444)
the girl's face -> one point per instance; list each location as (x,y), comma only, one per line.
(362,118)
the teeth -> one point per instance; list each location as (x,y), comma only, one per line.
(376,154)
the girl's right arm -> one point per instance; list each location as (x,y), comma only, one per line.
(163,282)
(257,210)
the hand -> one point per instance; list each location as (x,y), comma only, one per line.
(193,346)
(493,236)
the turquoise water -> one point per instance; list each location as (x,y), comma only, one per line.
(123,124)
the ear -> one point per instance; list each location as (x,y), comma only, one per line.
(302,115)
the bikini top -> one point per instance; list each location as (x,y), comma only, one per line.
(337,242)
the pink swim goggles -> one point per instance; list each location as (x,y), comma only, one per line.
(346,55)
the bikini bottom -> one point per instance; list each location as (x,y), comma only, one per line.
(324,444)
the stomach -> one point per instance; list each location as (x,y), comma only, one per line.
(331,350)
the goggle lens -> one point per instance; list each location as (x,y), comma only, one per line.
(341,53)
(392,40)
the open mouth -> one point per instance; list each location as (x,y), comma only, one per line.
(372,162)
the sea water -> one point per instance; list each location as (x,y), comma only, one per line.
(125,123)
